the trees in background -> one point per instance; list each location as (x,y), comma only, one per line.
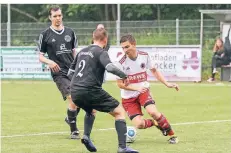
(108,12)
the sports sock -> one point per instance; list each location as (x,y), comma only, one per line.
(71,114)
(148,123)
(88,124)
(121,130)
(164,125)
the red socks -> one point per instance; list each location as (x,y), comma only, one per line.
(164,124)
(148,123)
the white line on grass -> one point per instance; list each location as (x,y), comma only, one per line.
(107,129)
(201,122)
(203,84)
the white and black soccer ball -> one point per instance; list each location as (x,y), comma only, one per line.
(131,134)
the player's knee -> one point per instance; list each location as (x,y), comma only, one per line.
(69,97)
(118,113)
(72,106)
(119,110)
(139,125)
(152,111)
(119,116)
(94,112)
(122,113)
(71,103)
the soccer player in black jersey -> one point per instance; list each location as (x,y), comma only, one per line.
(59,42)
(107,47)
(87,92)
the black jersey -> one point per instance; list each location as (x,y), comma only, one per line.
(90,65)
(59,47)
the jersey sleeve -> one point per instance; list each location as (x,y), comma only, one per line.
(119,65)
(104,58)
(42,45)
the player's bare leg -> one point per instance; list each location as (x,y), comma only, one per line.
(163,123)
(121,128)
(141,123)
(72,112)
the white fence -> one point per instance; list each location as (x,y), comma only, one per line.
(163,32)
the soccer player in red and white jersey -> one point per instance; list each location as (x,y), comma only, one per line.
(135,64)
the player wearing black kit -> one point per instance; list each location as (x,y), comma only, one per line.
(59,43)
(87,93)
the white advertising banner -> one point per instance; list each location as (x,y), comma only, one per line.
(175,63)
(21,64)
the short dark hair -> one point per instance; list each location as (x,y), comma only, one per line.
(129,38)
(99,34)
(54,8)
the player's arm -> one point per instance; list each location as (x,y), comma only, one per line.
(109,66)
(42,48)
(158,75)
(122,85)
(74,44)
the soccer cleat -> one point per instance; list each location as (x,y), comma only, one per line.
(127,150)
(165,132)
(88,144)
(211,80)
(75,135)
(173,140)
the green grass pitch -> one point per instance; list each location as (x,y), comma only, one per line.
(33,120)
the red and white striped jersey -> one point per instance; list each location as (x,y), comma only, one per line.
(136,71)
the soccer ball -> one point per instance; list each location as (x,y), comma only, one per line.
(131,134)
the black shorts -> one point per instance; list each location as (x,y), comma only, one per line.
(63,84)
(97,99)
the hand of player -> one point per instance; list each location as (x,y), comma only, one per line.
(126,82)
(173,85)
(143,89)
(54,66)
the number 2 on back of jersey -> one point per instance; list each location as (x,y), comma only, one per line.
(81,67)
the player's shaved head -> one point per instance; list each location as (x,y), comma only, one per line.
(129,38)
(99,34)
(100,26)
